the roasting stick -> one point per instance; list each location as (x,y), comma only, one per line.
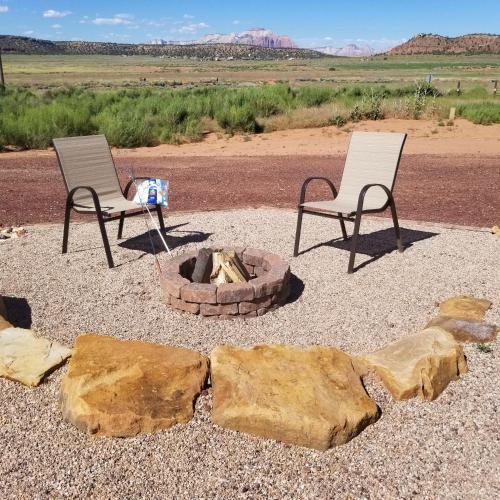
(144,209)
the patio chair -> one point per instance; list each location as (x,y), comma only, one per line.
(93,187)
(366,187)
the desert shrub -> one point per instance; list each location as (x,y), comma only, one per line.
(477,92)
(425,89)
(369,108)
(338,120)
(236,119)
(484,113)
(314,96)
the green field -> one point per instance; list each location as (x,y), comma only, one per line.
(117,70)
(143,101)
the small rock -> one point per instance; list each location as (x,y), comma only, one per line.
(464,307)
(466,331)
(26,358)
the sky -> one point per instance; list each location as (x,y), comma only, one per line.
(377,23)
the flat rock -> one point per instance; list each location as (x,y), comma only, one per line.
(308,397)
(464,307)
(124,387)
(419,365)
(26,358)
(466,331)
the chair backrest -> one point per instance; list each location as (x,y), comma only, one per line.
(372,158)
(87,161)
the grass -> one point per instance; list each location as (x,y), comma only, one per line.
(484,348)
(148,116)
(484,113)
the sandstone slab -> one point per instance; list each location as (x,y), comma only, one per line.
(26,358)
(464,307)
(309,397)
(466,331)
(124,387)
(419,365)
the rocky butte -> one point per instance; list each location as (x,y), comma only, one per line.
(256,36)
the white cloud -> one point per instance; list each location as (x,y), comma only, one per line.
(192,27)
(29,32)
(56,26)
(117,20)
(56,13)
(188,16)
(3,9)
(236,21)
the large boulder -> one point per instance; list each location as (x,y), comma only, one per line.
(419,365)
(124,387)
(464,307)
(309,397)
(26,358)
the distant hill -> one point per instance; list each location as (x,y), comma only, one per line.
(256,36)
(437,44)
(24,45)
(351,50)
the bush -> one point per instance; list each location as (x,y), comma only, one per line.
(484,113)
(237,119)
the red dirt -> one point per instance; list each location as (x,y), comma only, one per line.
(452,189)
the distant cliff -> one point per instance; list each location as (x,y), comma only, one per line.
(256,36)
(23,45)
(437,44)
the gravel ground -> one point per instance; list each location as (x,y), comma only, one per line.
(448,448)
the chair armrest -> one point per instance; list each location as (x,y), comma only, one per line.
(362,194)
(308,180)
(95,197)
(130,182)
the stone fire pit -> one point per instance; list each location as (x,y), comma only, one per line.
(267,290)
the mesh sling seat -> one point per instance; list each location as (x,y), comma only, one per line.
(366,187)
(93,187)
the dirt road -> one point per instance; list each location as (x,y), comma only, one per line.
(449,188)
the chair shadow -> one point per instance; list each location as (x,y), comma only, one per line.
(18,311)
(150,241)
(376,244)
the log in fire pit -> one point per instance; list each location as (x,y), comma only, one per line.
(230,282)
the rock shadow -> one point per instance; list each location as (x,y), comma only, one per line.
(18,311)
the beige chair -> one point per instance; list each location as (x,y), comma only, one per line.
(93,187)
(367,182)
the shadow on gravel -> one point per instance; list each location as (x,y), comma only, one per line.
(296,289)
(377,243)
(19,311)
(175,238)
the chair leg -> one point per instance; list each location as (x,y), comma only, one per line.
(297,232)
(67,215)
(160,219)
(354,243)
(399,241)
(342,227)
(120,225)
(105,240)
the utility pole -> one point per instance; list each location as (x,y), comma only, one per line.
(2,80)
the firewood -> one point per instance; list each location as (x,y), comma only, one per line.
(218,275)
(203,266)
(227,268)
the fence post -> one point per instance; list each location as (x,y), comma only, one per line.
(2,80)
(458,87)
